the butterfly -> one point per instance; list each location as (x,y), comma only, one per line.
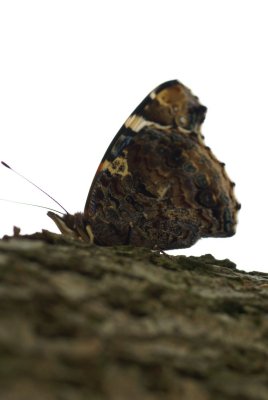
(158,184)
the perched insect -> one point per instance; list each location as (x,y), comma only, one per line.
(158,185)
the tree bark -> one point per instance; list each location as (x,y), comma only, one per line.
(124,323)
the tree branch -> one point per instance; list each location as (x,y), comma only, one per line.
(80,322)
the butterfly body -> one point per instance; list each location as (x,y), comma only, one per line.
(158,185)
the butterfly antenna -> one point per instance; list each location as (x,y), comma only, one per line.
(33,205)
(23,177)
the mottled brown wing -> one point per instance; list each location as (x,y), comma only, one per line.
(158,185)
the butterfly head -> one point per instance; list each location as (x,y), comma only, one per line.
(73,226)
(173,104)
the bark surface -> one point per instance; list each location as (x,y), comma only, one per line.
(125,323)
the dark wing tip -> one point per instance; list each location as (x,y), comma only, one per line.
(139,110)
(167,84)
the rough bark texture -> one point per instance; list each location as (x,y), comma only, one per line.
(123,323)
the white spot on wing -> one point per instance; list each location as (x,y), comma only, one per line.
(137,123)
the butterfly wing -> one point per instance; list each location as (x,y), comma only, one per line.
(158,185)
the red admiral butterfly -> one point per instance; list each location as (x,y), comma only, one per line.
(158,185)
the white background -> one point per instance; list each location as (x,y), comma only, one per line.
(72,71)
